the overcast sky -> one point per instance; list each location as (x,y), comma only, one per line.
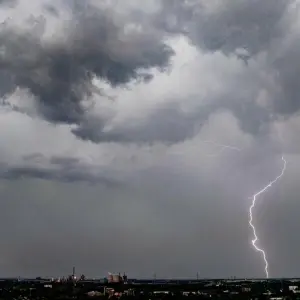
(114,117)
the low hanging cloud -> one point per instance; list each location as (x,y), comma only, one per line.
(57,168)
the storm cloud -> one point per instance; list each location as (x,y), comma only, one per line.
(229,25)
(134,130)
(62,169)
(101,43)
(59,74)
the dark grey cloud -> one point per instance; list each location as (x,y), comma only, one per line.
(59,75)
(167,124)
(241,29)
(284,63)
(33,156)
(253,31)
(228,25)
(67,161)
(170,123)
(62,175)
(51,9)
(8,2)
(57,168)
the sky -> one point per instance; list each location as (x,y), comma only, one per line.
(113,120)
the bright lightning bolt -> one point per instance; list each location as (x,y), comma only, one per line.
(254,198)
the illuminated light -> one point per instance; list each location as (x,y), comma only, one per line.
(254,198)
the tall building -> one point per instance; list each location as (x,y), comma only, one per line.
(125,278)
(110,278)
(114,278)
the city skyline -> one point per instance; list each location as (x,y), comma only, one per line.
(133,137)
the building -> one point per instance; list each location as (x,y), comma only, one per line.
(115,278)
